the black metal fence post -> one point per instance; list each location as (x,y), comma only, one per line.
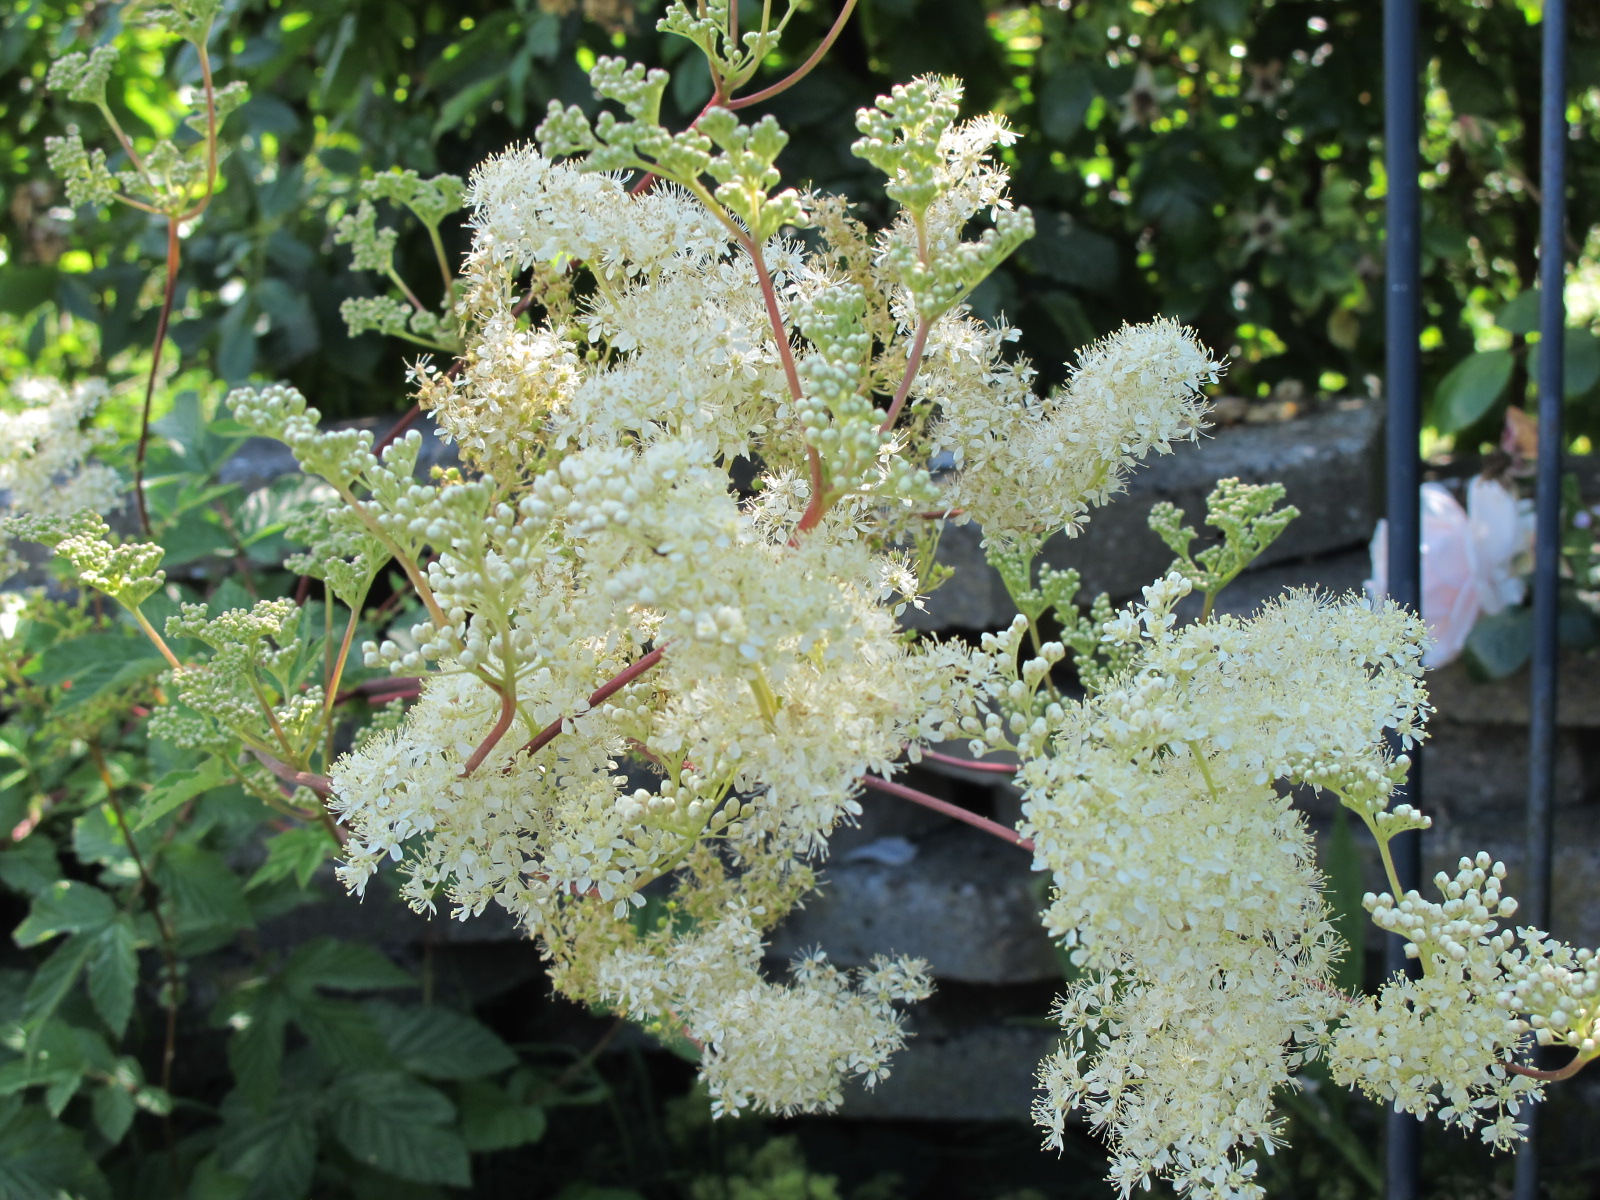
(1403,477)
(1535,909)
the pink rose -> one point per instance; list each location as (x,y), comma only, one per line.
(1467,561)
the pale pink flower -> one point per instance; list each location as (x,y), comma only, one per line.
(1468,558)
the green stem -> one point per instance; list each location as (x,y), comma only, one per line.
(1205,770)
(272,717)
(149,631)
(336,670)
(444,262)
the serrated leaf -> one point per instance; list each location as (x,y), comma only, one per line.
(56,977)
(343,966)
(492,1120)
(202,888)
(31,867)
(440,1043)
(97,663)
(67,906)
(113,1108)
(275,1150)
(255,1050)
(389,1120)
(114,972)
(294,852)
(96,838)
(343,1032)
(210,1181)
(40,1159)
(177,789)
(1470,389)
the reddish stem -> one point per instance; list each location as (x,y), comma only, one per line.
(174,250)
(395,430)
(508,713)
(815,507)
(970,764)
(913,364)
(320,784)
(648,180)
(599,696)
(805,68)
(389,686)
(950,810)
(1567,1072)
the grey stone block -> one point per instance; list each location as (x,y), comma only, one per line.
(964,903)
(1329,463)
(972,1056)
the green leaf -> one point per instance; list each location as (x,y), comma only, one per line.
(440,1043)
(1064,99)
(31,867)
(56,977)
(1521,313)
(492,1120)
(194,436)
(114,972)
(203,888)
(343,1032)
(210,1181)
(96,838)
(1499,644)
(275,1150)
(343,966)
(390,1121)
(40,1159)
(177,789)
(197,534)
(97,663)
(236,352)
(1470,389)
(1070,254)
(113,1110)
(65,907)
(297,852)
(23,289)
(255,1051)
(464,103)
(1580,362)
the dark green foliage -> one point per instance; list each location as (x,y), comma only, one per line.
(1211,159)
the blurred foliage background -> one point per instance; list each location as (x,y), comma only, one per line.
(1216,160)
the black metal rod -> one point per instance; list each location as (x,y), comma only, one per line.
(1535,899)
(1403,476)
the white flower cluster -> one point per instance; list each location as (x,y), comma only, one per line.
(786,1047)
(760,667)
(1184,881)
(661,649)
(47,468)
(1031,466)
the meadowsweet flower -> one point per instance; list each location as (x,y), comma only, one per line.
(47,465)
(1038,467)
